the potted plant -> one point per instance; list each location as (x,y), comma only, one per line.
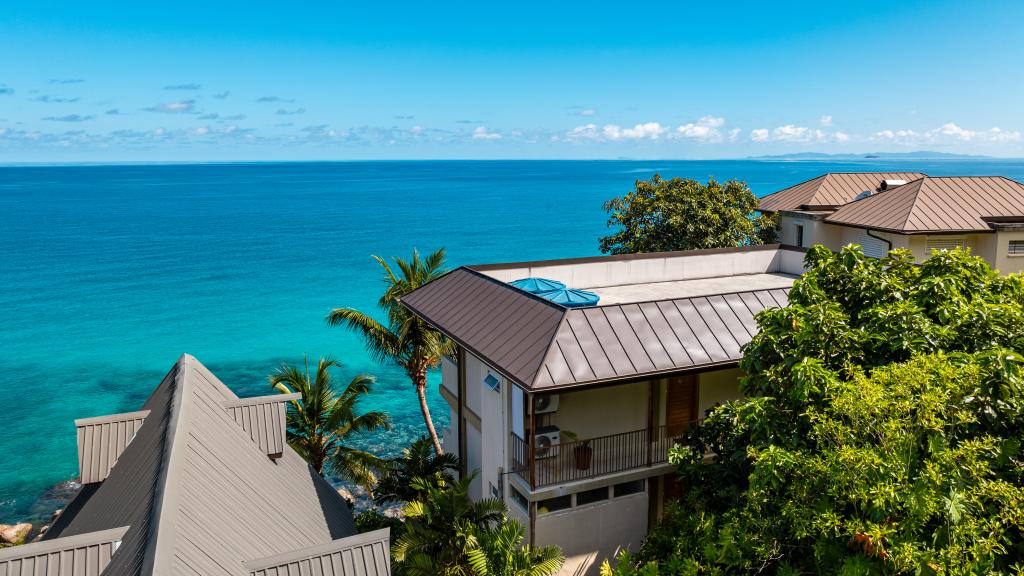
(582,451)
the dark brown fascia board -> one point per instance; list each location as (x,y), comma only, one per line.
(913,232)
(634,378)
(627,257)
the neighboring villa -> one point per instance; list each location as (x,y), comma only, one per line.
(885,210)
(567,411)
(199,482)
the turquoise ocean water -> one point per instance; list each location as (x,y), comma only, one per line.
(108,273)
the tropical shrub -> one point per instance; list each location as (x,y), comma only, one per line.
(418,461)
(882,432)
(683,214)
(448,534)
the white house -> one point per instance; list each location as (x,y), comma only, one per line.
(886,210)
(568,412)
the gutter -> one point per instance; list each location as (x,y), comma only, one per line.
(888,242)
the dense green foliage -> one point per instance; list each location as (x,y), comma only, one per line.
(417,461)
(448,534)
(881,434)
(406,339)
(321,424)
(683,214)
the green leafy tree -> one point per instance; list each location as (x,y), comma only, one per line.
(404,339)
(448,534)
(322,424)
(881,432)
(417,461)
(683,214)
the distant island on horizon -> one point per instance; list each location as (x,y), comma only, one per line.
(916,155)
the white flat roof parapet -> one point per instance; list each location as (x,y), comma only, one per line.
(604,272)
(651,291)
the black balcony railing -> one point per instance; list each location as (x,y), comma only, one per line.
(581,459)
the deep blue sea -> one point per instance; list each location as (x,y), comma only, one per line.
(109,273)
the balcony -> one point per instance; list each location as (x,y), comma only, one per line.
(582,459)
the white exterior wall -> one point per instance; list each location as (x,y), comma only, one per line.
(605,273)
(485,447)
(590,534)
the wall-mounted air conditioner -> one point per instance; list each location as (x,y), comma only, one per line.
(546,403)
(546,441)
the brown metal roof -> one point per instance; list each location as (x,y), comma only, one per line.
(362,555)
(544,346)
(200,496)
(102,440)
(506,326)
(83,555)
(830,190)
(937,204)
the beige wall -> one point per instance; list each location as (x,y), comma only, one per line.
(993,247)
(590,534)
(1000,247)
(602,411)
(718,387)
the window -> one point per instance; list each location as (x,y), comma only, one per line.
(492,382)
(519,499)
(945,244)
(1016,248)
(873,247)
(627,488)
(591,496)
(554,504)
(799,234)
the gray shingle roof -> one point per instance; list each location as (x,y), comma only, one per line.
(83,555)
(362,555)
(943,204)
(199,494)
(543,346)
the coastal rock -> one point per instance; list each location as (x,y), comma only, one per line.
(14,533)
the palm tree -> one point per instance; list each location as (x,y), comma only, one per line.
(441,528)
(417,461)
(322,423)
(501,552)
(406,340)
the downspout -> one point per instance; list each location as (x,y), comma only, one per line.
(887,242)
(462,420)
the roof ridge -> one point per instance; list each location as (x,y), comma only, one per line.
(917,194)
(159,550)
(549,347)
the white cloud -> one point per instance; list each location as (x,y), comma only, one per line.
(948,133)
(588,112)
(796,134)
(950,129)
(841,137)
(180,107)
(825,120)
(706,128)
(647,130)
(759,135)
(481,133)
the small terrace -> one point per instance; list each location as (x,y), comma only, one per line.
(548,463)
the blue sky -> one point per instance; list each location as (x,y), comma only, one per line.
(304,80)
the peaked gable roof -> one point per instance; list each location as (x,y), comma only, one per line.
(543,346)
(199,493)
(830,190)
(936,204)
